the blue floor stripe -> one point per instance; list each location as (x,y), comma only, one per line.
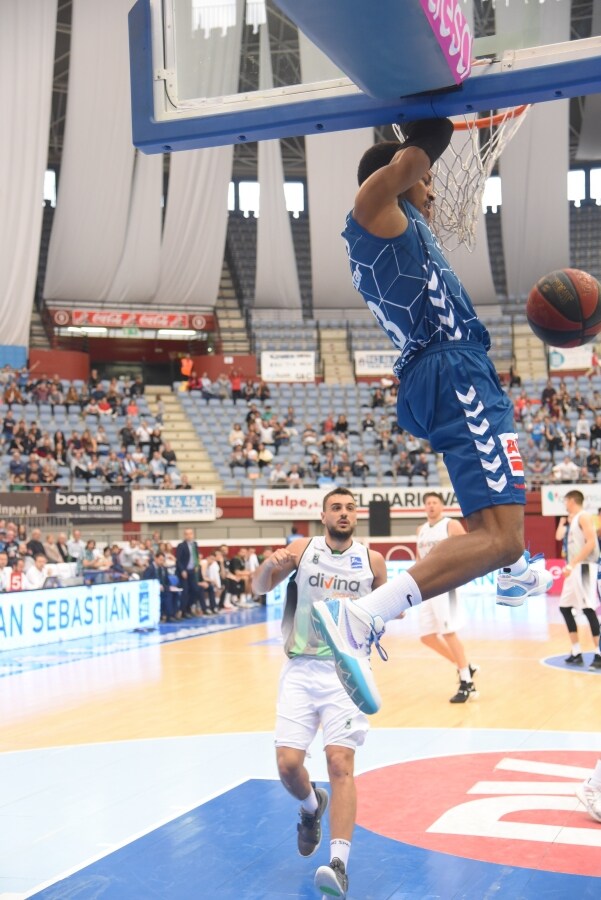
(242,846)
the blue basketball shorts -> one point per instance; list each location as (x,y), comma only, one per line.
(450,394)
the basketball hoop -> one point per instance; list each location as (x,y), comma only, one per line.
(461,173)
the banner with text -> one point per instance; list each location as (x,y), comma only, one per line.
(115,318)
(91,506)
(569,358)
(553,502)
(375,362)
(29,618)
(15,504)
(289,367)
(307,504)
(174,506)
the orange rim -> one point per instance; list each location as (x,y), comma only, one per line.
(491,121)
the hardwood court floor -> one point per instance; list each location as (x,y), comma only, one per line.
(194,717)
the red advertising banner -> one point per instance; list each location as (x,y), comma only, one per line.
(109,318)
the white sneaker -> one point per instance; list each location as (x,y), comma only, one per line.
(512,590)
(350,631)
(590,797)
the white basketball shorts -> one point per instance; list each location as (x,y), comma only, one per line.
(440,615)
(310,695)
(580,588)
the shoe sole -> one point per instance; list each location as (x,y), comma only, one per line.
(326,882)
(534,591)
(320,793)
(582,797)
(350,670)
(473,695)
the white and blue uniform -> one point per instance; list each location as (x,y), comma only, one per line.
(441,614)
(449,391)
(310,693)
(580,587)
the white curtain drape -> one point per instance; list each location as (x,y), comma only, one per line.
(137,274)
(196,218)
(332,161)
(534,166)
(27,30)
(276,282)
(93,203)
(589,142)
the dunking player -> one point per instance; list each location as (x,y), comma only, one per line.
(439,619)
(449,393)
(310,693)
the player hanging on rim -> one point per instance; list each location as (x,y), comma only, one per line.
(439,619)
(310,693)
(449,394)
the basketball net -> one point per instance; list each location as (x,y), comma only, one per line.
(460,175)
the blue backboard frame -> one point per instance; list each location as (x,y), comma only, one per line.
(555,72)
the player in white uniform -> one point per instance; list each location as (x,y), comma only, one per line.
(310,693)
(580,574)
(440,618)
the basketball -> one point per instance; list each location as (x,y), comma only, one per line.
(564,308)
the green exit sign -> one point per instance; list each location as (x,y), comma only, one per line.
(131,331)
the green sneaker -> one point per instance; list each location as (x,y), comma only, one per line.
(332,880)
(309,827)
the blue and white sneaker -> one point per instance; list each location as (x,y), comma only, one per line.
(349,632)
(512,590)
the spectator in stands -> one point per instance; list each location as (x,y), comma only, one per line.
(71,398)
(5,570)
(327,426)
(35,576)
(360,466)
(76,546)
(341,425)
(34,544)
(157,466)
(594,367)
(93,380)
(222,386)
(548,393)
(168,484)
(132,557)
(106,409)
(281,436)
(593,463)
(15,580)
(252,415)
(521,406)
(235,385)
(403,466)
(142,467)
(514,379)
(132,410)
(79,464)
(377,399)
(595,438)
(263,392)
(236,436)
(91,555)
(314,465)
(157,569)
(368,424)
(63,548)
(566,472)
(537,471)
(278,476)
(248,391)
(142,433)
(583,428)
(184,483)
(10,544)
(264,456)
(137,388)
(156,442)
(386,444)
(8,425)
(420,467)
(17,465)
(295,476)
(113,471)
(60,447)
(88,442)
(49,475)
(51,551)
(169,455)
(12,395)
(309,436)
(552,436)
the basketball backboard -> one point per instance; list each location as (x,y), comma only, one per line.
(403,61)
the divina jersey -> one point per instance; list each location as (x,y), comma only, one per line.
(410,288)
(430,535)
(321,575)
(576,542)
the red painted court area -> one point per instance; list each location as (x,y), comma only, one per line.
(515,809)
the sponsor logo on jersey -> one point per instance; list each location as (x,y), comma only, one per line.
(356,562)
(509,442)
(334,583)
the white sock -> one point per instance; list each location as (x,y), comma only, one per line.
(389,600)
(519,567)
(340,849)
(465,674)
(595,778)
(310,804)
(576,649)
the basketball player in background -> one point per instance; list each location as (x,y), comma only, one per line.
(580,574)
(440,618)
(449,394)
(310,693)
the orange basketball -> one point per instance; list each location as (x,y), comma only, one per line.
(564,308)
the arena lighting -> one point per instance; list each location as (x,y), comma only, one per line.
(87,329)
(176,332)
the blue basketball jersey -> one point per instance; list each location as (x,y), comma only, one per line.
(410,288)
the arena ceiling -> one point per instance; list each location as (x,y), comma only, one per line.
(286,70)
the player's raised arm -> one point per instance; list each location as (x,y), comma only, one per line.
(278,566)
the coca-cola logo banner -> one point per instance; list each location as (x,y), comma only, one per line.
(109,318)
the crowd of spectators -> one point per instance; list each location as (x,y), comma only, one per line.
(562,431)
(133,454)
(259,441)
(191,584)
